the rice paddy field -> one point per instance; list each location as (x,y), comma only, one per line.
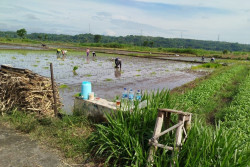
(107,82)
(219,102)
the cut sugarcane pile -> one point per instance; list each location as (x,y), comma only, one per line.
(27,91)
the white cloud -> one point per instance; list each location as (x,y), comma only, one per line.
(110,32)
(224,4)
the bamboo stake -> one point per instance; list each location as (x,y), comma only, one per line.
(157,130)
(53,88)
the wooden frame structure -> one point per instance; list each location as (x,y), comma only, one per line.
(183,125)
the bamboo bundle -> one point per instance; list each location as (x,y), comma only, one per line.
(27,91)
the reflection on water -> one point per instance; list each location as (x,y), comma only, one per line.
(117,72)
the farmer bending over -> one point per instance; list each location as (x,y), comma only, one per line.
(94,55)
(118,62)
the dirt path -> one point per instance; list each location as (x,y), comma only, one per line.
(19,150)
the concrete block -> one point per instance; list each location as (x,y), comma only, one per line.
(94,109)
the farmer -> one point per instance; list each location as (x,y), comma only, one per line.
(87,51)
(202,58)
(58,51)
(118,62)
(64,54)
(212,59)
(93,53)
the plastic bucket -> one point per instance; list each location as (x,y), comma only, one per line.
(86,89)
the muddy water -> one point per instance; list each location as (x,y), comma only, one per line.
(107,82)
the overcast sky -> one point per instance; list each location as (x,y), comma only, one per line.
(224,20)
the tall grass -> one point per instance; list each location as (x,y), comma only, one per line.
(124,140)
(212,146)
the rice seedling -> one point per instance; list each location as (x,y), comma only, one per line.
(63,86)
(75,68)
(108,79)
(35,65)
(153,73)
(13,57)
(46,68)
(88,75)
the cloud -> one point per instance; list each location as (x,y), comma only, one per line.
(198,19)
(31,17)
(222,4)
(109,32)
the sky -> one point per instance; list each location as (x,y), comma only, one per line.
(223,20)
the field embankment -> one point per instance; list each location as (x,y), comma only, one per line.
(124,49)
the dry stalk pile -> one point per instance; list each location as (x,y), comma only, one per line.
(27,91)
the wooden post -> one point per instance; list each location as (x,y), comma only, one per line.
(179,131)
(178,137)
(53,88)
(168,116)
(187,124)
(157,130)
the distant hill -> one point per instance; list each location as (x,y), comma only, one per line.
(136,40)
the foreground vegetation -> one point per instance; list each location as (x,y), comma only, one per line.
(219,135)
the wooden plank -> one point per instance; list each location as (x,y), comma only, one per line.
(179,131)
(168,130)
(174,111)
(157,130)
(162,146)
(168,119)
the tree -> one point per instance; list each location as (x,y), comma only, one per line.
(39,37)
(225,51)
(97,38)
(45,37)
(145,43)
(21,33)
(151,43)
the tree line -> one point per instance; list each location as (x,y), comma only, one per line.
(134,40)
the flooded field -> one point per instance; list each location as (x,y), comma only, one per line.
(107,82)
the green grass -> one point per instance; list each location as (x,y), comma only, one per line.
(207,65)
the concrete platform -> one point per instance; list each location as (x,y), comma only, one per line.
(94,109)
